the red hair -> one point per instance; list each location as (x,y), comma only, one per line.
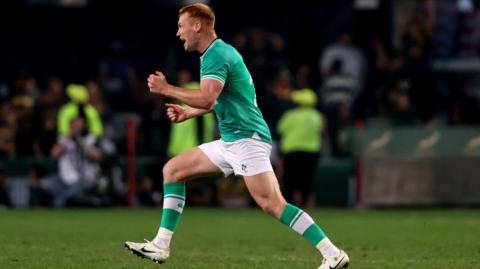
(199,11)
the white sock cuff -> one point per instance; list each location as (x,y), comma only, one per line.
(163,238)
(327,248)
(324,244)
(162,232)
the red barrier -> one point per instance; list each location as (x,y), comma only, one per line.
(131,161)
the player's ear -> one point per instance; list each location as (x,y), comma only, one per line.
(197,26)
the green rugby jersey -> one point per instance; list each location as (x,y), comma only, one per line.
(236,107)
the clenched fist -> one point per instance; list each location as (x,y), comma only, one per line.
(176,113)
(157,82)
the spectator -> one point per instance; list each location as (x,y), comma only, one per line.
(338,95)
(338,87)
(416,46)
(78,165)
(300,130)
(352,61)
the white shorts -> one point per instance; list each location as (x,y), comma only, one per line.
(245,157)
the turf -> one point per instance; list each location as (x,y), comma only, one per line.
(234,238)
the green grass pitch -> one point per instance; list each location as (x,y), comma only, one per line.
(239,238)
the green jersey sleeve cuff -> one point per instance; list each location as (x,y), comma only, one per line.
(220,79)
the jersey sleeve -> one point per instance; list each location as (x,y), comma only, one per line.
(214,67)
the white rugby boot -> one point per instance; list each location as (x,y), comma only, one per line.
(148,250)
(339,262)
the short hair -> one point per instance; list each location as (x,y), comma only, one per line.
(199,11)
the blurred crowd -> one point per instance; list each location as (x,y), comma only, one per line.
(81,123)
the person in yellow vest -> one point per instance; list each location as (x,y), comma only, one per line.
(300,131)
(77,151)
(79,107)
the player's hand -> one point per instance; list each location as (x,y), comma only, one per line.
(176,113)
(157,82)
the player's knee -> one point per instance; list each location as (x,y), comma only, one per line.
(269,208)
(170,173)
(272,207)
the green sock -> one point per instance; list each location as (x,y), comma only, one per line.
(173,203)
(302,223)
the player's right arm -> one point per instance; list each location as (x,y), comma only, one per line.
(177,113)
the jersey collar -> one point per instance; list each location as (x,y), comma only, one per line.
(209,46)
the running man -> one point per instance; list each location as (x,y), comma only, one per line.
(244,148)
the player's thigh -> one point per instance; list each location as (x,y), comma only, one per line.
(189,165)
(265,191)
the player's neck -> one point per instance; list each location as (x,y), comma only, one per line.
(206,42)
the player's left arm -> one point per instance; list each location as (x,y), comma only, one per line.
(202,98)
